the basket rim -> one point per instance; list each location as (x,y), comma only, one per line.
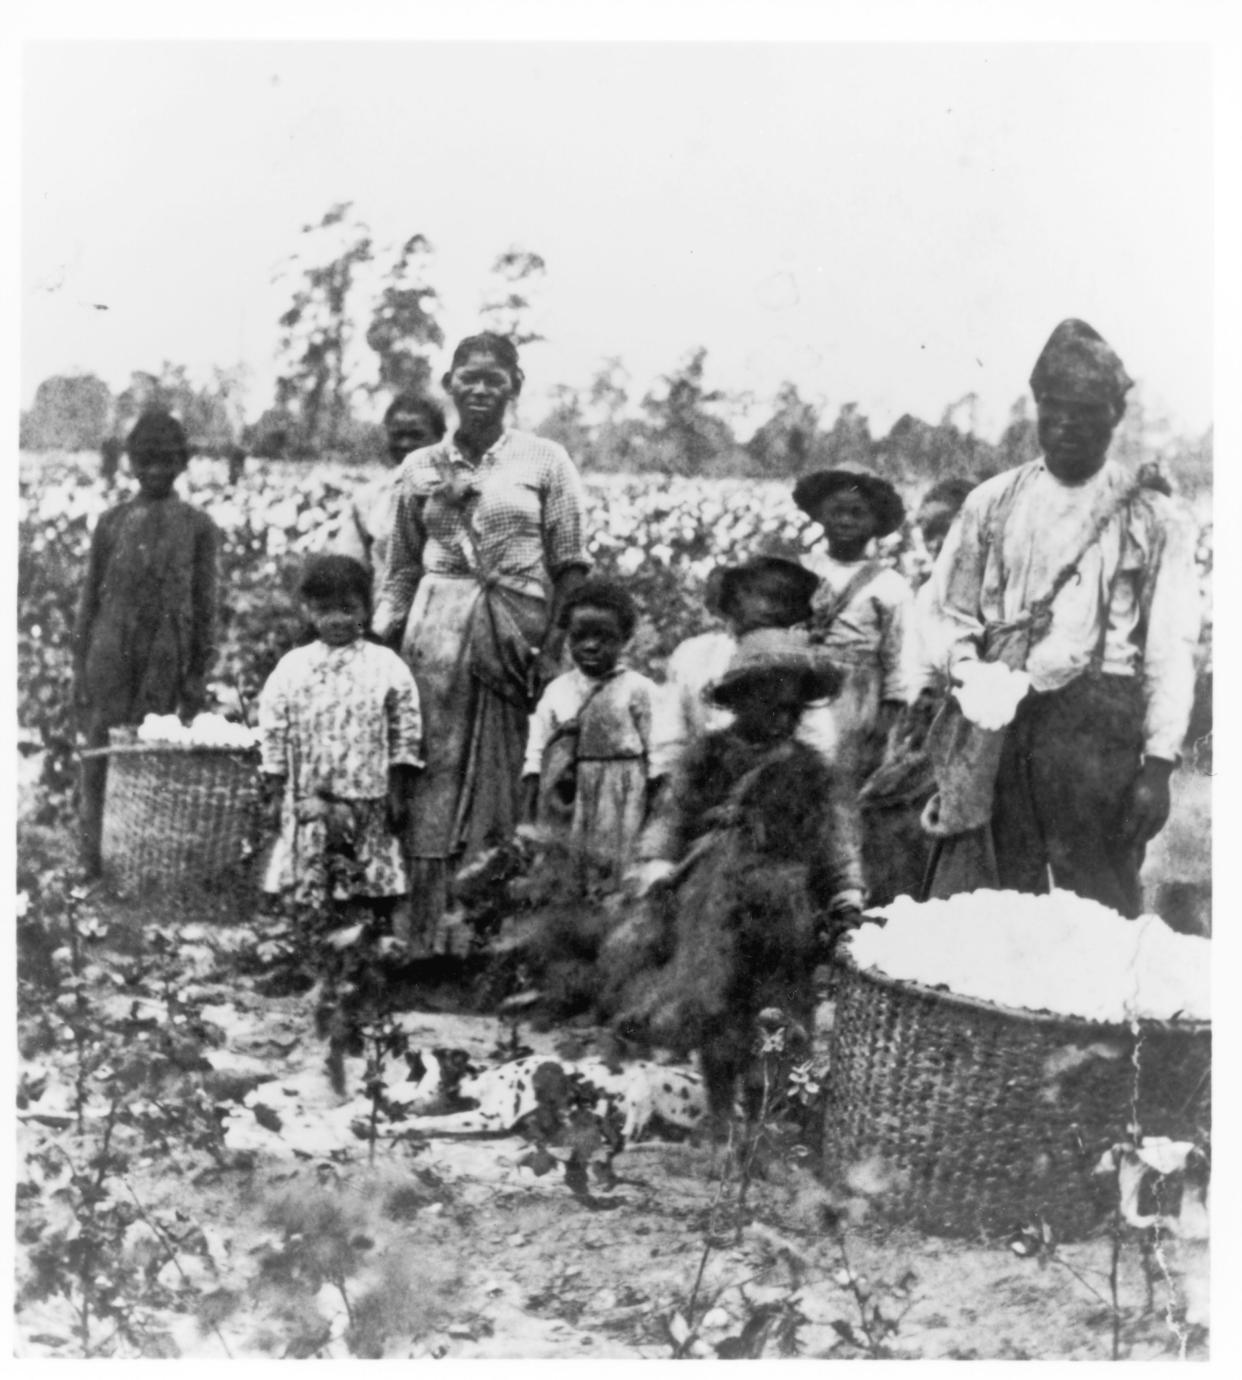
(157,748)
(1018,1013)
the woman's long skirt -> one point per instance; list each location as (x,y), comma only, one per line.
(468,795)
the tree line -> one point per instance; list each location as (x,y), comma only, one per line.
(363,323)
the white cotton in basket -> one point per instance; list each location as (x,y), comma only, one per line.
(1057,953)
(206,730)
(163,728)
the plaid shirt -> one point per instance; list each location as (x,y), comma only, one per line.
(517,514)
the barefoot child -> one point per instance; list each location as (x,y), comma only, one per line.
(593,762)
(339,723)
(145,630)
(755,847)
(340,728)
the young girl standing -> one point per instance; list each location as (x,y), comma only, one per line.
(594,755)
(860,612)
(145,631)
(340,727)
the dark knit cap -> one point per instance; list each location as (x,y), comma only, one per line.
(1077,363)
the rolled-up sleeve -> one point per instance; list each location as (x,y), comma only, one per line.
(1173,616)
(405,563)
(542,724)
(951,621)
(404,715)
(564,508)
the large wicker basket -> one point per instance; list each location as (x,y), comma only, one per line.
(973,1119)
(179,821)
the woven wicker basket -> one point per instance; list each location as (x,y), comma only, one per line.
(977,1119)
(180,821)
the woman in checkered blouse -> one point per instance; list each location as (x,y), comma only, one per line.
(488,542)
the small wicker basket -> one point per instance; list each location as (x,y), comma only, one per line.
(975,1119)
(179,821)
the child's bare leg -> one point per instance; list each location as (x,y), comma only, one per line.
(722,1064)
(93,781)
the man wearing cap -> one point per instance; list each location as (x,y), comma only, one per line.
(1064,610)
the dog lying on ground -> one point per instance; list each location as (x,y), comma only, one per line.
(452,1097)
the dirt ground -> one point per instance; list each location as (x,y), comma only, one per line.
(281,1231)
(304,1245)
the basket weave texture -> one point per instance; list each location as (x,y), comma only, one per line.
(978,1119)
(179,819)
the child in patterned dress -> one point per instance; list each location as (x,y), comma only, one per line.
(340,727)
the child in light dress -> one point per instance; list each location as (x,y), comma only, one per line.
(594,755)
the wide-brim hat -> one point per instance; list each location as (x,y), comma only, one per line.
(777,567)
(776,654)
(885,502)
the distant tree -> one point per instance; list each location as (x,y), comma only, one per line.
(404,325)
(507,307)
(787,443)
(566,424)
(1189,462)
(316,330)
(685,435)
(131,402)
(1019,442)
(1143,432)
(915,452)
(618,441)
(967,407)
(849,441)
(609,390)
(70,412)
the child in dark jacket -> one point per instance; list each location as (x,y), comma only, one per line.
(755,847)
(145,630)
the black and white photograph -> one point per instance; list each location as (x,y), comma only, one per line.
(614,691)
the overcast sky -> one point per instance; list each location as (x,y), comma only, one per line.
(895,225)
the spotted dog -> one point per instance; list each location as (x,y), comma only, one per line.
(453,1097)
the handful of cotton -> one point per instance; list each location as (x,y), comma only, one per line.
(989,692)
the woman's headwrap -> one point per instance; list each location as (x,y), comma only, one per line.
(1077,363)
